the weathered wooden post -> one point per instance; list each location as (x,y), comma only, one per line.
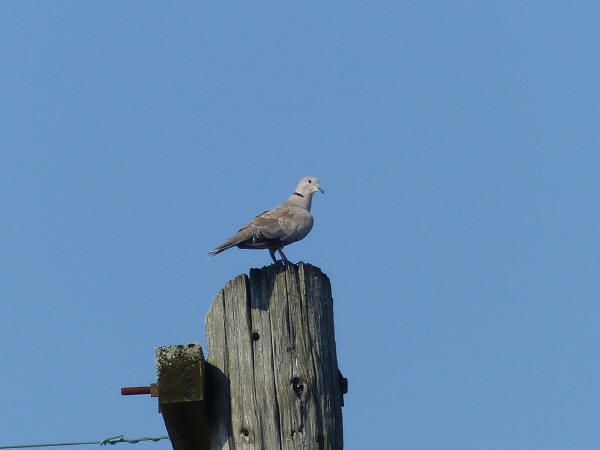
(272,375)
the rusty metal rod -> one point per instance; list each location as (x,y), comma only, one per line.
(140,390)
(135,390)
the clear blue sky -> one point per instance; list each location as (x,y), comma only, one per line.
(457,142)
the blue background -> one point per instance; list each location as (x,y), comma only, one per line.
(457,143)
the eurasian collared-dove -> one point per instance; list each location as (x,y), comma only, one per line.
(276,228)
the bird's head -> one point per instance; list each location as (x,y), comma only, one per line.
(308,186)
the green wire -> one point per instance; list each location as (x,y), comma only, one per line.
(108,441)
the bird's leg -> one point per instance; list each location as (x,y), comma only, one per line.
(285,260)
(272,253)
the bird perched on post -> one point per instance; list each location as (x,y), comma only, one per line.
(276,228)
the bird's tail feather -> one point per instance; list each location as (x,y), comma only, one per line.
(241,236)
(221,248)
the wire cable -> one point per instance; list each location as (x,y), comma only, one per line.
(107,441)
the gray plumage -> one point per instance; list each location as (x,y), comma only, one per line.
(276,228)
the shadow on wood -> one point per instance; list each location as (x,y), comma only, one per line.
(217,399)
(271,348)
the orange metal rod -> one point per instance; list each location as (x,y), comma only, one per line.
(135,390)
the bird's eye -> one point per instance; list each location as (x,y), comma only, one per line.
(310,181)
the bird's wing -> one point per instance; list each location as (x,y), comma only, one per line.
(280,224)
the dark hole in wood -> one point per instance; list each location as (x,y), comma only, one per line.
(298,386)
(254,336)
(245,432)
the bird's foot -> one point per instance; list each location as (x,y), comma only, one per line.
(286,261)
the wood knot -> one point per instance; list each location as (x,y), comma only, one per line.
(245,433)
(297,432)
(254,336)
(299,387)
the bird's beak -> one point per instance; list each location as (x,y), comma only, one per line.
(320,189)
